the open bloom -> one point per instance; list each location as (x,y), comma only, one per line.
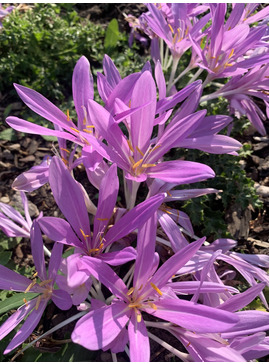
(77,231)
(102,326)
(42,284)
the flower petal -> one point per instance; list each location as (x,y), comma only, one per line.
(100,327)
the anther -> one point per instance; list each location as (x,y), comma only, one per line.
(148,165)
(67,113)
(137,164)
(156,289)
(100,219)
(38,302)
(139,151)
(168,193)
(76,130)
(84,235)
(130,291)
(87,131)
(31,285)
(65,150)
(130,146)
(43,283)
(172,30)
(25,301)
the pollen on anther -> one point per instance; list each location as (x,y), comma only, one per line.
(67,113)
(139,151)
(137,164)
(25,301)
(156,289)
(130,291)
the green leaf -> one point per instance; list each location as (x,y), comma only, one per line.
(15,301)
(8,134)
(49,138)
(4,257)
(112,35)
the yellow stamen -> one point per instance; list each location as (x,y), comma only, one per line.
(231,53)
(138,315)
(93,250)
(174,39)
(139,151)
(25,301)
(186,31)
(156,147)
(90,126)
(168,193)
(156,289)
(130,103)
(130,291)
(65,161)
(67,113)
(228,64)
(87,131)
(36,274)
(132,160)
(168,212)
(38,302)
(65,150)
(152,305)
(104,219)
(41,284)
(188,344)
(172,30)
(76,130)
(139,289)
(84,121)
(137,164)
(31,285)
(148,165)
(130,146)
(84,235)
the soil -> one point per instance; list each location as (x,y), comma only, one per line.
(250,227)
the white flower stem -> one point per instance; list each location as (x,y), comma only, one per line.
(46,251)
(114,357)
(183,356)
(55,328)
(172,74)
(195,76)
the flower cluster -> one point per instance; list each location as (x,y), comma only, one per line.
(224,44)
(114,274)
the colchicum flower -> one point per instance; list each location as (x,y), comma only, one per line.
(42,284)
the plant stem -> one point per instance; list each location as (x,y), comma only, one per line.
(195,76)
(183,356)
(172,74)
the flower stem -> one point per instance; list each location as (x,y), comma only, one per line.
(183,356)
(172,74)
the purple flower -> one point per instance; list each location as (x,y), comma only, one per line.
(34,309)
(12,222)
(100,327)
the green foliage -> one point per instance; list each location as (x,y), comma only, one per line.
(207,213)
(39,48)
(15,301)
(112,35)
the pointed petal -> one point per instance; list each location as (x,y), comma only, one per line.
(42,106)
(59,230)
(119,257)
(111,71)
(100,327)
(61,299)
(101,271)
(16,318)
(108,194)
(143,120)
(239,301)
(215,144)
(173,264)
(181,172)
(27,328)
(146,241)
(69,197)
(37,250)
(82,85)
(34,178)
(27,127)
(134,219)
(139,340)
(12,281)
(193,316)
(55,260)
